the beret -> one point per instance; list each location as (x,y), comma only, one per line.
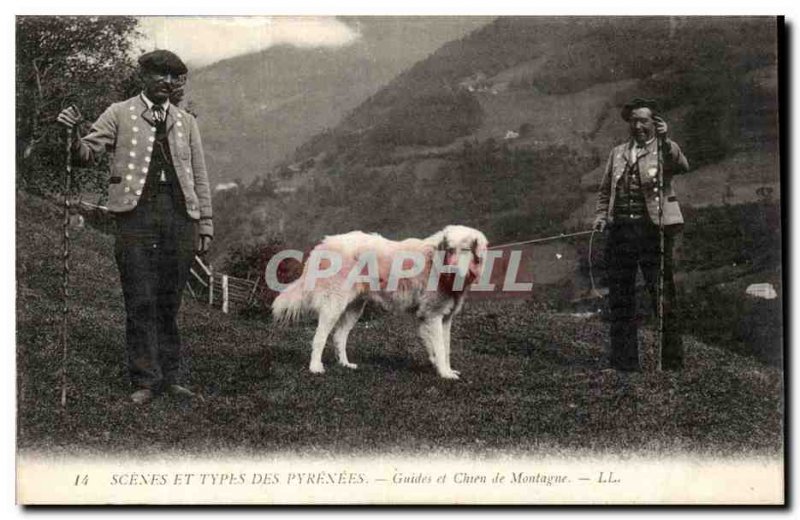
(162,61)
(638,103)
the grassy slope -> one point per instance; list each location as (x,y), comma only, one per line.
(531,379)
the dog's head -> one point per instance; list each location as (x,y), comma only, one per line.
(464,247)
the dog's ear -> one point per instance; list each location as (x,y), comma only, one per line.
(476,261)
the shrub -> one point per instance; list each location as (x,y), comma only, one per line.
(738,322)
(743,235)
(62,60)
(250,261)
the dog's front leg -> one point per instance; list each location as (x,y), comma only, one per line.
(424,334)
(447,321)
(432,334)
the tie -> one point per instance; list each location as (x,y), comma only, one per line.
(158,116)
(634,152)
(158,113)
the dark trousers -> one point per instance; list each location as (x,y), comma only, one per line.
(154,250)
(633,244)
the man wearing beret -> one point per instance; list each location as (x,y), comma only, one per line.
(159,194)
(631,207)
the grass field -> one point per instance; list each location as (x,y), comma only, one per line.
(532,379)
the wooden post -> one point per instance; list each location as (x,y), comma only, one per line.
(198,278)
(253,292)
(189,286)
(225,293)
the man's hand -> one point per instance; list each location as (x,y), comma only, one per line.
(599,224)
(203,244)
(661,127)
(70,116)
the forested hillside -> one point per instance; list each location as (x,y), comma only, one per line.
(507,129)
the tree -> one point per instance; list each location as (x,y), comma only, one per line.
(61,60)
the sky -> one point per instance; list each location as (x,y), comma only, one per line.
(202,40)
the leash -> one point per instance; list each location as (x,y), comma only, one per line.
(591,234)
(539,240)
(595,292)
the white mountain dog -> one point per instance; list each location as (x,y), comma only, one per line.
(426,277)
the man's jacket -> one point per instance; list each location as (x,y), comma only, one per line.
(673,163)
(127,131)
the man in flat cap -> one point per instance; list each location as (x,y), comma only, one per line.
(635,211)
(159,194)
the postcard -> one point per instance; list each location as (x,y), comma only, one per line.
(407,260)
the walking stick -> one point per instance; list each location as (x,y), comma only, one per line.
(660,291)
(65,281)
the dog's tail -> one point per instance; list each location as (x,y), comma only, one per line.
(290,304)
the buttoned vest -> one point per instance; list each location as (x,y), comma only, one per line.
(161,160)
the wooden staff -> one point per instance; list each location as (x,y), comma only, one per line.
(660,291)
(65,281)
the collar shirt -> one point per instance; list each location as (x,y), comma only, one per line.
(150,104)
(635,149)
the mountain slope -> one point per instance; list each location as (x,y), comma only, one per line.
(559,66)
(256,109)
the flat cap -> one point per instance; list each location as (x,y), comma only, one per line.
(162,61)
(638,103)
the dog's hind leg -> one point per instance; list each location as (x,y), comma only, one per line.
(432,334)
(343,328)
(329,314)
